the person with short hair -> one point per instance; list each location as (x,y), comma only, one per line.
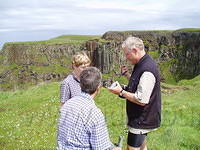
(82,125)
(143,105)
(70,86)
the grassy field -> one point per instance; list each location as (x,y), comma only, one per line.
(28,118)
(63,39)
(189,29)
(156,31)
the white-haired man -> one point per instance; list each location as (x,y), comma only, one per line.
(143,94)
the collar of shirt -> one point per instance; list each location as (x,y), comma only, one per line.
(75,78)
(87,96)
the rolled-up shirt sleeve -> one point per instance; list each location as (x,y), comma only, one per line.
(145,87)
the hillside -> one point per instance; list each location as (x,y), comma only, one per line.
(23,64)
(29,118)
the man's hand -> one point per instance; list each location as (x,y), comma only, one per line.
(125,72)
(116,89)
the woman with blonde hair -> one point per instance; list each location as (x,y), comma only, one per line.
(70,86)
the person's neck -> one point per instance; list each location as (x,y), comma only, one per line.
(141,55)
(76,75)
(94,94)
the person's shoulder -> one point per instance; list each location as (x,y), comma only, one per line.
(73,102)
(87,104)
(67,79)
(148,74)
(97,113)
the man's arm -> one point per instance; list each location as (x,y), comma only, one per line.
(99,138)
(131,97)
(143,92)
(64,93)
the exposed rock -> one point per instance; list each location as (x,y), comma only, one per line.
(183,47)
(32,63)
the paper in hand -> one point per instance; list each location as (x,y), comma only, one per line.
(115,84)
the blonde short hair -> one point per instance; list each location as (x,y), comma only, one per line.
(133,42)
(80,58)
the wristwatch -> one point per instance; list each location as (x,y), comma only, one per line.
(120,93)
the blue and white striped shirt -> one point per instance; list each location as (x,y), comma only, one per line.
(69,88)
(82,125)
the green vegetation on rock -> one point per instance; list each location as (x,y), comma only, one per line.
(76,37)
(154,54)
(52,68)
(189,29)
(144,31)
(64,39)
(192,82)
(165,71)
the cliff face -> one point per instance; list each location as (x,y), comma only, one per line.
(38,54)
(29,64)
(177,53)
(187,54)
(180,48)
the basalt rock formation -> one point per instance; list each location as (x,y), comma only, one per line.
(181,49)
(176,52)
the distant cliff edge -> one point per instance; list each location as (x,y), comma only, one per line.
(177,54)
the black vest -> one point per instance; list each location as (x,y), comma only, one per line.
(148,116)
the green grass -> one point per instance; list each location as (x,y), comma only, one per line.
(28,118)
(7,67)
(76,37)
(166,73)
(181,122)
(52,68)
(64,39)
(158,31)
(14,72)
(193,82)
(189,29)
(154,54)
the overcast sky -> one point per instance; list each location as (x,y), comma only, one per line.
(30,20)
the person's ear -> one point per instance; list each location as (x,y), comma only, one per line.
(134,50)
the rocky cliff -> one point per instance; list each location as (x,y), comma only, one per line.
(179,50)
(176,52)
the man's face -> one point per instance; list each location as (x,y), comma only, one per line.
(130,55)
(80,68)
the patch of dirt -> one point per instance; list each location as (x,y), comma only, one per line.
(170,90)
(2,110)
(2,144)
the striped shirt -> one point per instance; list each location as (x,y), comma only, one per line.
(69,88)
(82,125)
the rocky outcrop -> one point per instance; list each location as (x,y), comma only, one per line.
(38,54)
(105,55)
(181,48)
(34,63)
(29,64)
(186,53)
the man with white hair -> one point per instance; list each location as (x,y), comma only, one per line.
(143,94)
